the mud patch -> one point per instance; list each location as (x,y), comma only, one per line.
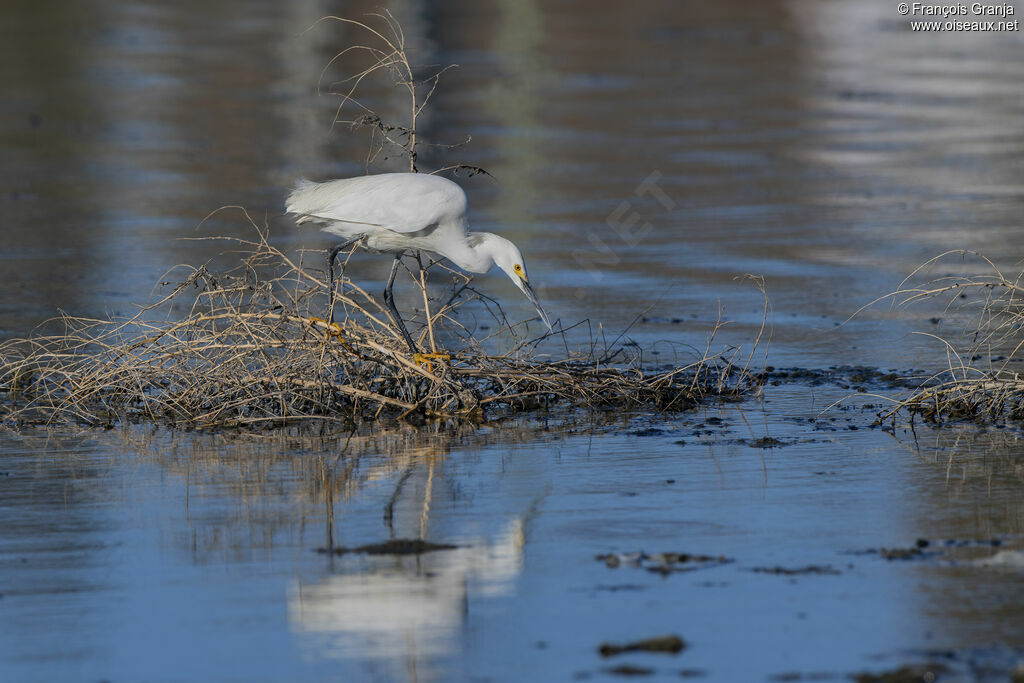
(650,431)
(662,563)
(915,552)
(844,376)
(399,546)
(972,551)
(671,644)
(915,673)
(630,670)
(621,587)
(809,570)
(767,442)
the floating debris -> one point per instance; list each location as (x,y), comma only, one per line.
(670,644)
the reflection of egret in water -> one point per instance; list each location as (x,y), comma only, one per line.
(401,609)
(246,496)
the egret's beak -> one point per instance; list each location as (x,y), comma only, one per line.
(528,291)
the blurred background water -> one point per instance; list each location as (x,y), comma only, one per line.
(819,144)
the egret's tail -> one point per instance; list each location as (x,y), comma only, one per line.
(298,201)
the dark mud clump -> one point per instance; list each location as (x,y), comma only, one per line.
(792,676)
(844,376)
(663,563)
(400,546)
(951,548)
(630,670)
(914,552)
(811,569)
(900,553)
(916,673)
(767,442)
(671,644)
(650,431)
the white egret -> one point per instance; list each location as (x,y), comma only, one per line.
(402,213)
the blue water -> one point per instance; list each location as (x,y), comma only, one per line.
(132,548)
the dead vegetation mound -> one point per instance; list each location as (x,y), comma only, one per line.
(984,377)
(246,348)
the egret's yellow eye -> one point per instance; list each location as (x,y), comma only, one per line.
(519,271)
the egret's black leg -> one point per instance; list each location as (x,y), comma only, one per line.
(389,299)
(331,256)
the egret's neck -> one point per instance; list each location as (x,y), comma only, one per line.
(473,253)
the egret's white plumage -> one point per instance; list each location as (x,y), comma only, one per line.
(403,202)
(407,212)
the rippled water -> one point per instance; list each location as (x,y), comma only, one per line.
(645,155)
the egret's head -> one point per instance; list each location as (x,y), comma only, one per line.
(508,257)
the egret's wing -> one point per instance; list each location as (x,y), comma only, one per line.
(402,202)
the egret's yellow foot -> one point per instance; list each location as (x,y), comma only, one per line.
(426,359)
(333,329)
